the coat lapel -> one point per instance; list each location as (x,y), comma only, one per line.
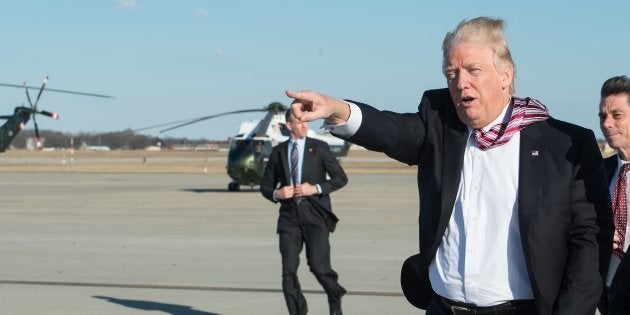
(455,137)
(284,153)
(530,172)
(610,166)
(307,160)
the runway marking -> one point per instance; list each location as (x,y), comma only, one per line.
(182,287)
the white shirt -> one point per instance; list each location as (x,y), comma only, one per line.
(615,260)
(300,149)
(480,259)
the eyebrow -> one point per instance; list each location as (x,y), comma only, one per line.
(464,66)
(614,111)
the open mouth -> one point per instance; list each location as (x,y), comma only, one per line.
(466,100)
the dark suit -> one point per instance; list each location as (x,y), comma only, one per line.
(308,223)
(619,291)
(562,198)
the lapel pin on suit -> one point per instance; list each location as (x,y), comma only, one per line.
(535,153)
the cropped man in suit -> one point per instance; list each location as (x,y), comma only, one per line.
(296,176)
(614,120)
(513,203)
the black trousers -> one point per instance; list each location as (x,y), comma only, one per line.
(298,227)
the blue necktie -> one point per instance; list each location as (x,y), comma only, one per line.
(295,174)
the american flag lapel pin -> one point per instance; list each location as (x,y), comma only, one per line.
(535,153)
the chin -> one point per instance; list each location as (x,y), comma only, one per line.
(466,118)
(613,145)
(612,142)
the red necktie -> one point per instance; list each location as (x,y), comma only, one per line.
(525,111)
(620,208)
(489,139)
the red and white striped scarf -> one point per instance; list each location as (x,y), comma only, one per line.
(524,112)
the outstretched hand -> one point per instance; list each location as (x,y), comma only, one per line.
(308,106)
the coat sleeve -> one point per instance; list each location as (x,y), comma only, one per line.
(399,136)
(619,296)
(590,234)
(336,175)
(270,178)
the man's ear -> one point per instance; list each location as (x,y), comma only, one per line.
(507,75)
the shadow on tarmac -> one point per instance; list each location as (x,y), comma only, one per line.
(215,190)
(173,309)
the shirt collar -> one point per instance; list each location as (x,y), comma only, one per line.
(300,142)
(620,163)
(504,117)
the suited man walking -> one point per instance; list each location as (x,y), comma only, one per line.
(614,119)
(296,177)
(513,203)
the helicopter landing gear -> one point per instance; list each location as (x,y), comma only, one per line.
(234,186)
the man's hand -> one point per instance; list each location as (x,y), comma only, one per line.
(286,192)
(300,190)
(304,190)
(308,106)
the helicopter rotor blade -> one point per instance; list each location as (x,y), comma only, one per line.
(273,107)
(37,139)
(49,114)
(55,90)
(28,95)
(162,125)
(196,120)
(41,90)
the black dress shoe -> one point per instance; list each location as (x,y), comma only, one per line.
(335,307)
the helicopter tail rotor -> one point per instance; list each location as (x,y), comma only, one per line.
(39,94)
(22,114)
(35,111)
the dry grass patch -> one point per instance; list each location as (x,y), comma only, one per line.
(136,161)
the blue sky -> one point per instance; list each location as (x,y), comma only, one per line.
(172,60)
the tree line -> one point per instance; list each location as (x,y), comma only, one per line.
(117,140)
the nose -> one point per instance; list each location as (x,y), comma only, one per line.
(606,122)
(462,80)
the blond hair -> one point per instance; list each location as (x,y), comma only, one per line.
(486,31)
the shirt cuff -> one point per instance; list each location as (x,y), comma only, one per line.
(350,127)
(319,189)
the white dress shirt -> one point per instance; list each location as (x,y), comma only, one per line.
(615,260)
(480,259)
(300,149)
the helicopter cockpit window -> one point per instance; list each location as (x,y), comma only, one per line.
(259,149)
(262,150)
(268,148)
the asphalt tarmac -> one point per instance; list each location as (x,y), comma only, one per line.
(181,244)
